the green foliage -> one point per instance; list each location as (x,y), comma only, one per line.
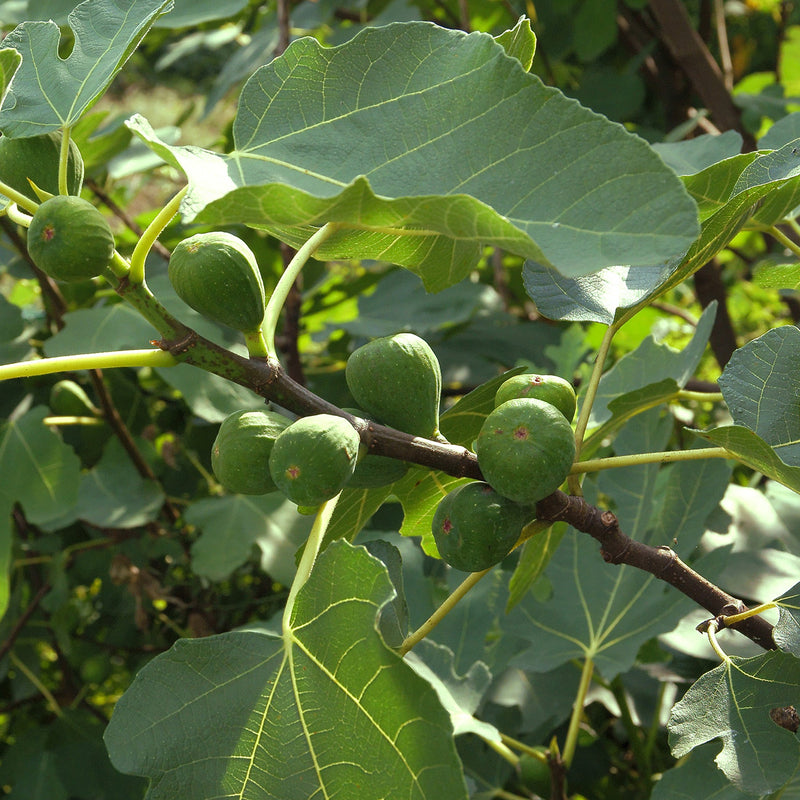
(35,160)
(69,239)
(390,178)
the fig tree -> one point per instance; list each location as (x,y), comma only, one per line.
(550,388)
(397,380)
(217,275)
(36,159)
(475,527)
(69,239)
(313,458)
(525,449)
(240,453)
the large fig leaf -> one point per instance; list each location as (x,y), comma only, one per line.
(49,92)
(375,134)
(325,710)
(733,703)
(761,385)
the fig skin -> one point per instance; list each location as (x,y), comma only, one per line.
(550,388)
(475,527)
(241,450)
(312,460)
(397,380)
(525,449)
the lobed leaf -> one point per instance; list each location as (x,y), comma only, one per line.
(248,714)
(761,385)
(385,144)
(733,702)
(50,92)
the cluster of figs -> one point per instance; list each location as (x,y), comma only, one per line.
(525,447)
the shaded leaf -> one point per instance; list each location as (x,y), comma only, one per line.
(50,92)
(651,363)
(187,13)
(761,385)
(39,471)
(597,610)
(783,131)
(353,511)
(697,776)
(359,147)
(534,557)
(732,703)
(592,298)
(231,525)
(115,495)
(9,62)
(694,155)
(460,695)
(6,544)
(252,715)
(787,630)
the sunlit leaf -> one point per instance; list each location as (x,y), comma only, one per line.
(252,715)
(552,181)
(519,42)
(49,92)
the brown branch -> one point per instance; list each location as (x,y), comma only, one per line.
(689,51)
(709,286)
(662,562)
(291,321)
(120,429)
(23,619)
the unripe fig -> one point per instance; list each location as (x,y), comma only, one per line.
(36,158)
(69,399)
(314,458)
(397,379)
(69,239)
(240,453)
(372,470)
(550,388)
(475,527)
(525,449)
(217,275)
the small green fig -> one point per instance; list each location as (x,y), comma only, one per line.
(475,527)
(217,275)
(525,449)
(240,453)
(397,379)
(313,458)
(69,239)
(550,388)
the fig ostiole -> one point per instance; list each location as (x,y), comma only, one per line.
(69,239)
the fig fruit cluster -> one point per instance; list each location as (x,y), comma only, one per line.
(525,450)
